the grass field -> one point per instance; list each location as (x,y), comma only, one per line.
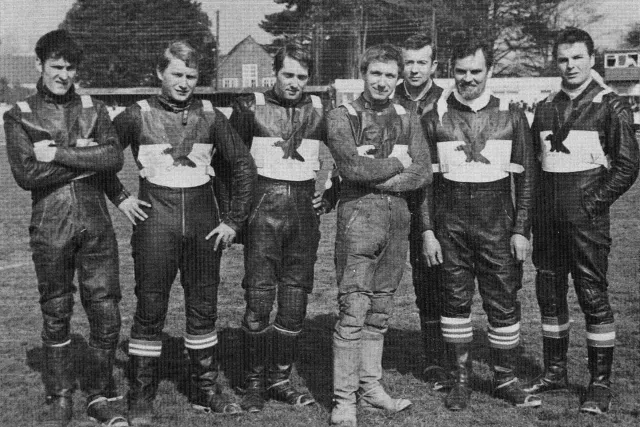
(22,395)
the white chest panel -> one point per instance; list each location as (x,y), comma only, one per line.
(455,167)
(585,153)
(158,168)
(270,163)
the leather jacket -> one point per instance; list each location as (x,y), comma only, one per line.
(608,118)
(474,130)
(76,178)
(231,160)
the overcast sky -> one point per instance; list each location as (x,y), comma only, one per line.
(22,22)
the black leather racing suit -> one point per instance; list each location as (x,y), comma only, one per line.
(70,226)
(589,158)
(474,217)
(174,147)
(282,234)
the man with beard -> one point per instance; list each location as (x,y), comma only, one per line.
(418,92)
(60,147)
(284,129)
(174,140)
(382,156)
(478,141)
(589,157)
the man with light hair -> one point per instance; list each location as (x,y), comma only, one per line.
(588,153)
(175,140)
(477,141)
(382,156)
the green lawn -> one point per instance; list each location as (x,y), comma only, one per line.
(21,393)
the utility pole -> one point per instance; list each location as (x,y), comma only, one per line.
(215,84)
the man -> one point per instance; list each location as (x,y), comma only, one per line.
(418,92)
(174,139)
(589,157)
(60,147)
(478,141)
(381,155)
(283,128)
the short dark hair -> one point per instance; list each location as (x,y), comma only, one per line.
(572,35)
(384,52)
(178,49)
(469,47)
(293,51)
(58,44)
(419,41)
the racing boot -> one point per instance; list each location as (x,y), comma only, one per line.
(143,389)
(205,393)
(371,394)
(346,363)
(434,371)
(255,381)
(59,383)
(554,377)
(460,354)
(505,383)
(100,388)
(597,398)
(285,349)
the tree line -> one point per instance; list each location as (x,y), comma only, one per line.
(122,39)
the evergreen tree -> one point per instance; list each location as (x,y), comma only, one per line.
(122,39)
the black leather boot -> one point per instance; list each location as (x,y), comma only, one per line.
(255,376)
(505,383)
(100,388)
(597,398)
(205,393)
(458,397)
(285,349)
(554,377)
(59,384)
(435,371)
(143,389)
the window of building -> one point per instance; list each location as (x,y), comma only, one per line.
(230,83)
(249,75)
(268,81)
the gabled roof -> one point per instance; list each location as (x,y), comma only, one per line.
(246,40)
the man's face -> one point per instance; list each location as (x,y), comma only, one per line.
(418,66)
(471,74)
(58,74)
(291,79)
(574,63)
(380,80)
(178,80)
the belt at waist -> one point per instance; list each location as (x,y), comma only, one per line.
(173,190)
(350,191)
(501,185)
(265,181)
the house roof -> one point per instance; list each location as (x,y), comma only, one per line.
(18,69)
(246,40)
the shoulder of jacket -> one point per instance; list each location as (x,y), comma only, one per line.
(349,107)
(144,105)
(86,101)
(400,110)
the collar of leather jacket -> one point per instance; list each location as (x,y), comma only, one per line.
(51,97)
(173,105)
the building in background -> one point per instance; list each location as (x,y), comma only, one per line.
(248,65)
